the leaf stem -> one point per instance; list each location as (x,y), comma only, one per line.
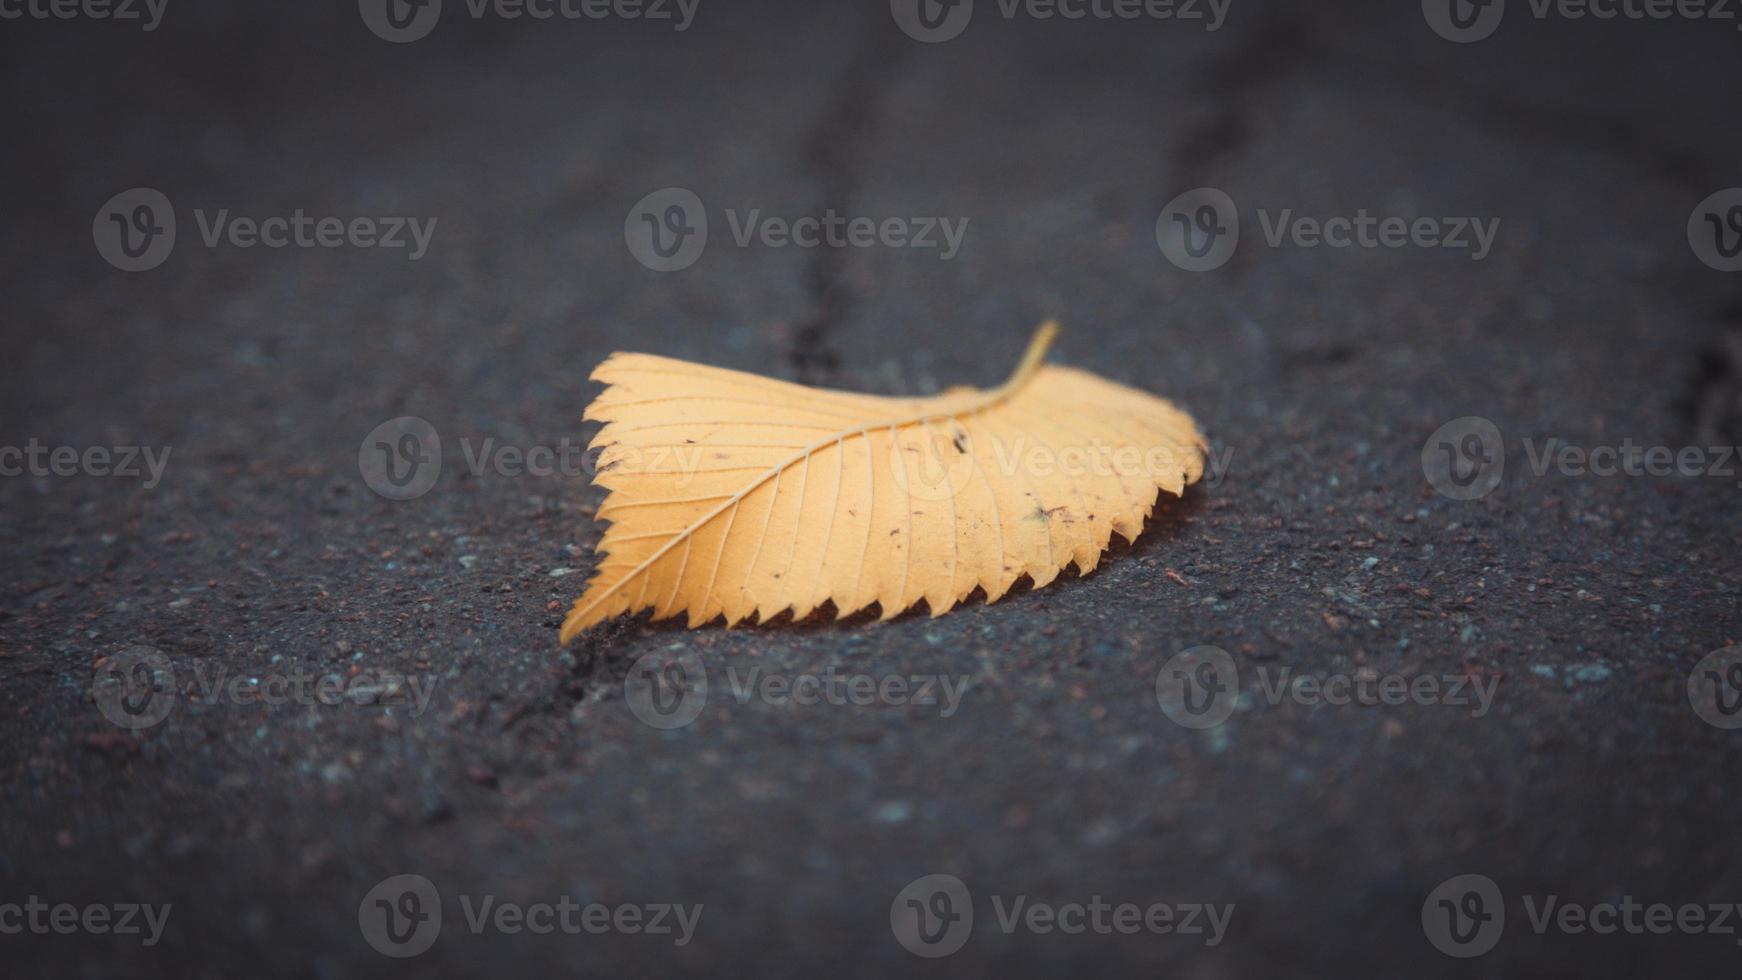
(1031,358)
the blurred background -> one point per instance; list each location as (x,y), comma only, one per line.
(511,160)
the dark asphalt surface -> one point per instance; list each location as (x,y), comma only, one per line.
(1323,550)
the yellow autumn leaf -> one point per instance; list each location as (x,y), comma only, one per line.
(731,494)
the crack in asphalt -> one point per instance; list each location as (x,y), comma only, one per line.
(1711,405)
(1268,55)
(831,152)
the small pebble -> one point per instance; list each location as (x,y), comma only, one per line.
(1101,833)
(895,811)
(433,805)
